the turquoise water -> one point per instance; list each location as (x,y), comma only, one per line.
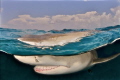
(11,69)
(10,44)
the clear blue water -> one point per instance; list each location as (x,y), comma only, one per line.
(10,44)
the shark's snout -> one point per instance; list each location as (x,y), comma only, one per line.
(27,59)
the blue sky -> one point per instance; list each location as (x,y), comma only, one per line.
(36,9)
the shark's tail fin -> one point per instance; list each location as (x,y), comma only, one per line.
(101,60)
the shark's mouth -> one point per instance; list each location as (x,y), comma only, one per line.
(40,69)
(45,68)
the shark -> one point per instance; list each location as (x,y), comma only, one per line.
(56,65)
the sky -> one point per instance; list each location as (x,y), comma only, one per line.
(58,15)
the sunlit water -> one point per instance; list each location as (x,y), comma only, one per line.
(101,36)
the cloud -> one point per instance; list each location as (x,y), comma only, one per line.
(115,9)
(88,20)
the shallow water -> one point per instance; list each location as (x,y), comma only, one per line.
(10,44)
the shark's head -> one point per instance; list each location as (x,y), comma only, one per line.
(53,65)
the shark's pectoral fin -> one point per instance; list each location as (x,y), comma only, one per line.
(101,60)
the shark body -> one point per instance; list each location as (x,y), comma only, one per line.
(54,65)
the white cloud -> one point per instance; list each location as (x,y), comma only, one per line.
(115,9)
(88,20)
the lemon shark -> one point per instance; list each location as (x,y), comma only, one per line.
(54,65)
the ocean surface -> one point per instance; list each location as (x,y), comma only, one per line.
(101,36)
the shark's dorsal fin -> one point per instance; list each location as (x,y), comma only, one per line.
(101,60)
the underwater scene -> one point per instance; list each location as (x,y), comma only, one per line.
(11,69)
